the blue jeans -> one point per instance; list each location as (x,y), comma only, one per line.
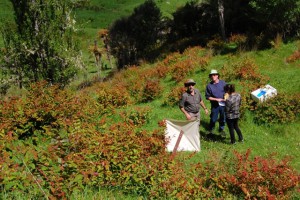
(214,115)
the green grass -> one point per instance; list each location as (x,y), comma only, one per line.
(102,13)
(281,139)
(6,10)
(283,76)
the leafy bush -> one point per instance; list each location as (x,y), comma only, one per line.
(137,117)
(294,57)
(152,90)
(112,96)
(199,57)
(281,109)
(247,72)
(173,97)
(244,70)
(132,38)
(238,39)
(260,178)
(217,44)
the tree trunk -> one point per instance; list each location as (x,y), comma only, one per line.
(221,18)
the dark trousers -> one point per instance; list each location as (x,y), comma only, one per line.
(214,115)
(234,125)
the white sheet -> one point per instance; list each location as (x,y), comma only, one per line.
(190,140)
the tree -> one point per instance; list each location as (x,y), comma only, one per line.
(221,18)
(40,44)
(194,19)
(132,38)
(277,16)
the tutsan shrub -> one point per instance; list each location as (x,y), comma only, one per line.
(173,97)
(260,178)
(283,108)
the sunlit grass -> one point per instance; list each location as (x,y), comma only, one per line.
(281,139)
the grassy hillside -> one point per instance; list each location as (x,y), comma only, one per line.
(281,139)
(272,63)
(100,13)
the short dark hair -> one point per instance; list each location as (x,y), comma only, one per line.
(230,88)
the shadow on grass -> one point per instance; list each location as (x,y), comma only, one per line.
(215,137)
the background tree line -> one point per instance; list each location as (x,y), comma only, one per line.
(146,34)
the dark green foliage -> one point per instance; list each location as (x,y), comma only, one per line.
(277,17)
(40,45)
(194,20)
(132,38)
(282,109)
(237,15)
(260,20)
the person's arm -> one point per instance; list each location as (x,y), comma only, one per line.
(204,107)
(188,117)
(228,106)
(181,107)
(215,99)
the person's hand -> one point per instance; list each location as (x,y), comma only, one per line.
(188,117)
(226,95)
(219,99)
(206,111)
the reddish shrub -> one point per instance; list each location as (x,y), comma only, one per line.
(173,97)
(294,57)
(261,178)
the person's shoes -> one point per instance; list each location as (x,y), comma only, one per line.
(223,134)
(210,133)
(233,143)
(241,141)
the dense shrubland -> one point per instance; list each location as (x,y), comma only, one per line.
(56,142)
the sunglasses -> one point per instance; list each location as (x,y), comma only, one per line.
(190,84)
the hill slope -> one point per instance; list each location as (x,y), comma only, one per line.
(282,139)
